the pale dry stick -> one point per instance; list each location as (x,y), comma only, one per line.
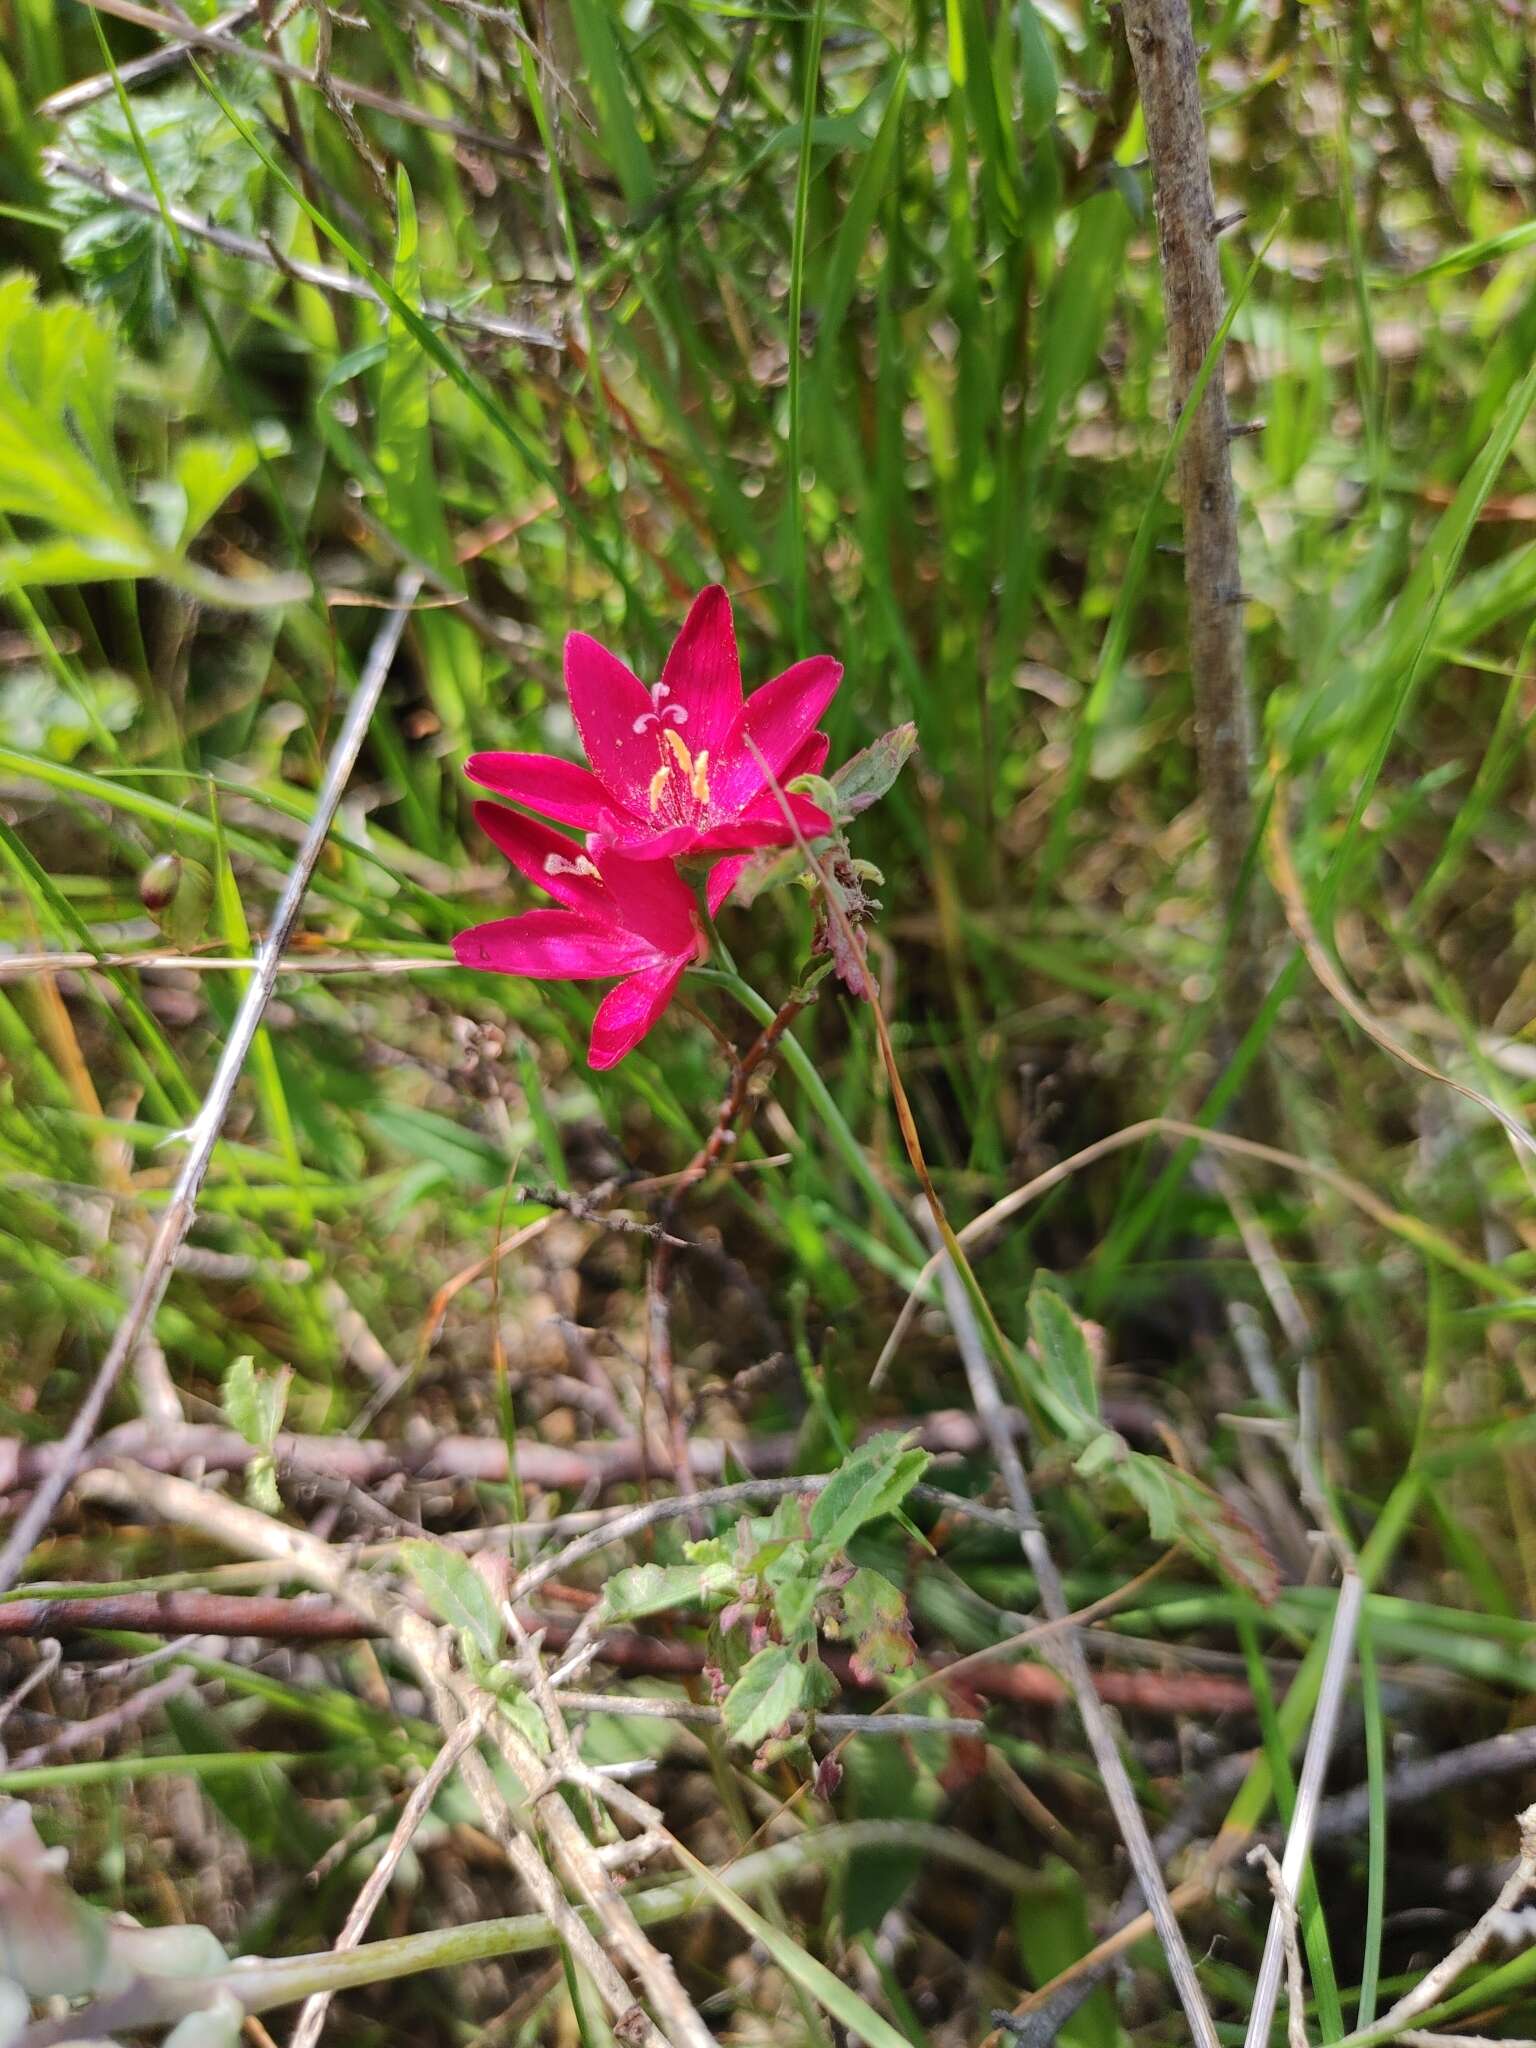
(645,1707)
(582,1864)
(1167,69)
(249,1532)
(155,1274)
(85,92)
(1067,1652)
(250,250)
(187,35)
(1473,1946)
(1295,1983)
(980,1230)
(1309,1793)
(18,966)
(311,2020)
(1299,918)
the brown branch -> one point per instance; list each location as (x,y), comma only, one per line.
(482,1460)
(633,1655)
(1167,74)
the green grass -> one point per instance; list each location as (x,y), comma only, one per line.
(861,315)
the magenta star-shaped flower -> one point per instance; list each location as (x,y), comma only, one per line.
(621,916)
(689,766)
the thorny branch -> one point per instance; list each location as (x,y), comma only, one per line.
(155,1275)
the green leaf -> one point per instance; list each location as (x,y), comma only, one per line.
(455,1592)
(253,1404)
(1181,1508)
(869,189)
(794,1601)
(1066,1363)
(771,1688)
(839,1999)
(871,1483)
(618,136)
(652,1588)
(1037,74)
(209,470)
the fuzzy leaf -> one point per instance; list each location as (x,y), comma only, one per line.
(873,1482)
(455,1592)
(652,1588)
(254,1401)
(1066,1363)
(770,1689)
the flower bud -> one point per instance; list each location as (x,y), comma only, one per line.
(178,894)
(159,882)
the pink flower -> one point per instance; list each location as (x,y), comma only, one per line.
(686,767)
(621,916)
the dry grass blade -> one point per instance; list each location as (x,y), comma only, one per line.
(155,1274)
(1309,1793)
(1067,1653)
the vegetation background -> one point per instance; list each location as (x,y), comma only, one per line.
(568,309)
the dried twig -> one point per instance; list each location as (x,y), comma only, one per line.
(1066,1653)
(311,2020)
(454,1698)
(1285,1914)
(437,311)
(481,1459)
(86,91)
(186,35)
(1472,1947)
(982,1231)
(1167,75)
(203,1136)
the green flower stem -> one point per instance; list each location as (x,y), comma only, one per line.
(837,1126)
(263,1984)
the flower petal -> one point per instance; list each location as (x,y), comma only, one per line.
(778,720)
(627,1012)
(638,841)
(723,877)
(810,760)
(762,823)
(544,783)
(703,673)
(616,719)
(561,867)
(552,945)
(650,897)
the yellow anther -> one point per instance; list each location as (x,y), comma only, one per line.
(698,782)
(684,758)
(659,783)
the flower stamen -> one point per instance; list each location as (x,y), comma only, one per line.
(557,864)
